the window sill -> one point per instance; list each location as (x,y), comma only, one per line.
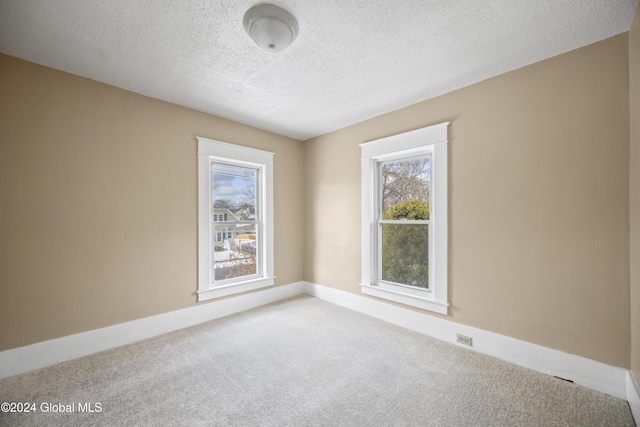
(407,299)
(235,288)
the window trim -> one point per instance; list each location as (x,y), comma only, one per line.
(211,150)
(431,139)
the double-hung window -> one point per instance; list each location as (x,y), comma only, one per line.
(404,227)
(235,219)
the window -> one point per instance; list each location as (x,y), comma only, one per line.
(221,237)
(235,251)
(404,227)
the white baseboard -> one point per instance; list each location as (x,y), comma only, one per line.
(23,359)
(586,372)
(592,374)
(633,397)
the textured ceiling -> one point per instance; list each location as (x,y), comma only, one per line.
(352,60)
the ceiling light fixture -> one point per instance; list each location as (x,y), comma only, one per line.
(271,27)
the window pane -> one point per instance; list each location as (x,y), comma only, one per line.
(234,200)
(235,256)
(403,181)
(234,188)
(405,258)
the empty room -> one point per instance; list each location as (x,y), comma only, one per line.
(357,213)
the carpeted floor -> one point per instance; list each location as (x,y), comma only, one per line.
(301,362)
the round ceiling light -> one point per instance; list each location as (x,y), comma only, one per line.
(271,27)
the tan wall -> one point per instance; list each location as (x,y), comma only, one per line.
(634,74)
(98,202)
(539,210)
(98,198)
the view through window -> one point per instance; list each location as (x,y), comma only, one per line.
(404,221)
(234,216)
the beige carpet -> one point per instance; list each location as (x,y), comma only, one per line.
(301,362)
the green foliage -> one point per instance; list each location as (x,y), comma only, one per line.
(404,246)
(409,209)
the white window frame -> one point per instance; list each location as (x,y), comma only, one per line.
(431,141)
(217,151)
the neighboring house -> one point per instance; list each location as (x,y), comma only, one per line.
(224,231)
(233,236)
(245,214)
